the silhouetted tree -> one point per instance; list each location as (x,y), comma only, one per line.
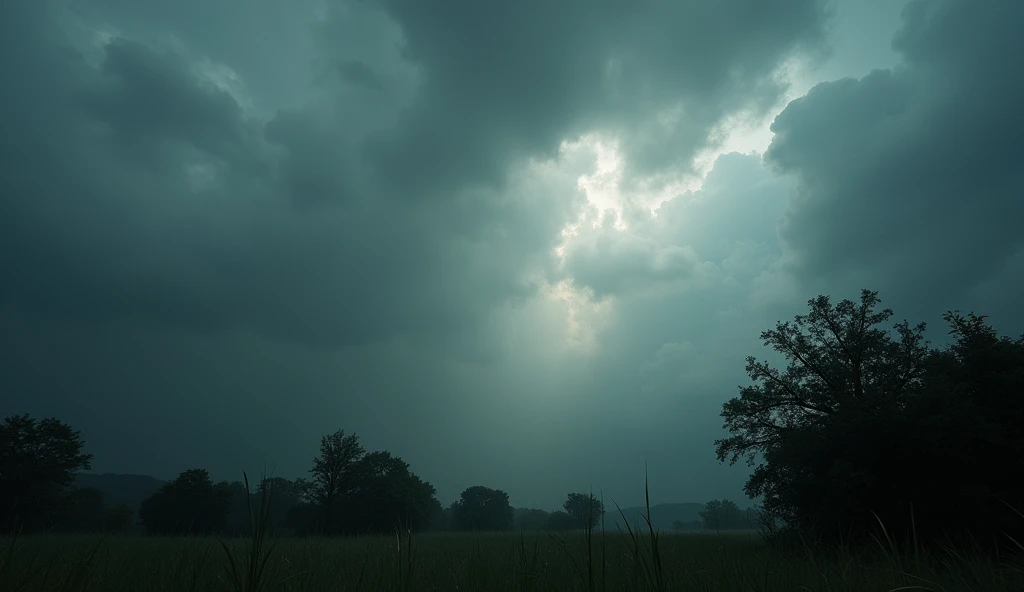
(38,461)
(334,478)
(353,491)
(868,425)
(236,521)
(952,457)
(561,521)
(283,495)
(190,504)
(482,509)
(723,515)
(387,496)
(585,508)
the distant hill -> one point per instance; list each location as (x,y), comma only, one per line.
(662,515)
(117,489)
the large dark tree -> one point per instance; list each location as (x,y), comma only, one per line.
(584,508)
(191,504)
(482,509)
(867,425)
(957,451)
(38,461)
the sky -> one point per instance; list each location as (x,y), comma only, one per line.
(521,245)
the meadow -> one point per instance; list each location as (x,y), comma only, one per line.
(482,562)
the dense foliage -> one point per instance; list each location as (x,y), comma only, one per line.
(868,427)
(482,509)
(585,509)
(191,504)
(38,462)
(353,491)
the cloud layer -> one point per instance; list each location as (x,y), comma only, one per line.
(465,230)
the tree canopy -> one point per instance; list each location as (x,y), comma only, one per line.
(38,463)
(584,508)
(868,425)
(353,491)
(481,508)
(191,504)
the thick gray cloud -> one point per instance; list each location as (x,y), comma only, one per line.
(178,204)
(911,177)
(173,206)
(511,80)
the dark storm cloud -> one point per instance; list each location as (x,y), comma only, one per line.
(170,205)
(910,178)
(172,202)
(506,80)
(266,42)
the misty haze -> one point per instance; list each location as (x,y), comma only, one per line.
(490,295)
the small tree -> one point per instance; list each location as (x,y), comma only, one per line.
(722,515)
(482,509)
(190,504)
(585,509)
(334,475)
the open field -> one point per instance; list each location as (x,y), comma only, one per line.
(479,563)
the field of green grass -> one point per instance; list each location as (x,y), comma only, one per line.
(479,562)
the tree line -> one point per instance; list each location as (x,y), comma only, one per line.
(350,491)
(867,427)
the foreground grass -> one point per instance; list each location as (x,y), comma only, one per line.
(482,562)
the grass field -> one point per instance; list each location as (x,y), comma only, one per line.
(479,562)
